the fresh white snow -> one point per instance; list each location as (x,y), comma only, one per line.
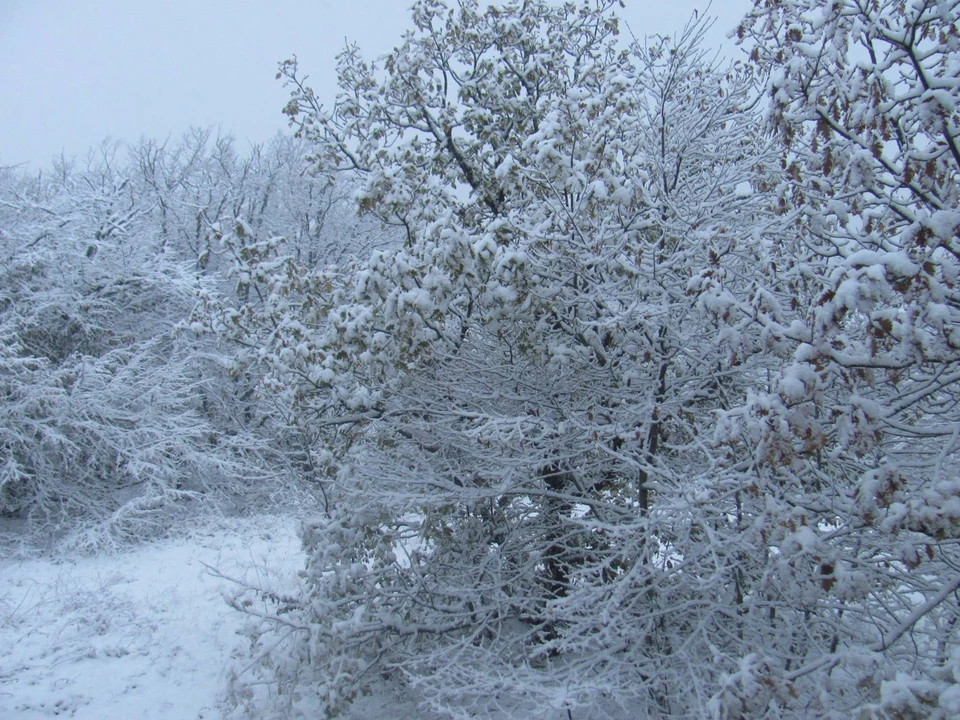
(140,634)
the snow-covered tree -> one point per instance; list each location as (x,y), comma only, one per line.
(855,442)
(530,511)
(191,185)
(98,400)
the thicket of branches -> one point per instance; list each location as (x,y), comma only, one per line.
(116,417)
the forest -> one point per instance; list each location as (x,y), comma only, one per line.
(623,381)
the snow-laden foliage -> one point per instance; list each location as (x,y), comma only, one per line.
(99,415)
(631,392)
(855,441)
(114,415)
(529,511)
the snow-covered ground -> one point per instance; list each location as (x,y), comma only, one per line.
(140,634)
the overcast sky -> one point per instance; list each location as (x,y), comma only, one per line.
(75,71)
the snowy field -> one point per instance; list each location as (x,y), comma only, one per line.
(141,634)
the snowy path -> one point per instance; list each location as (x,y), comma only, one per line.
(143,634)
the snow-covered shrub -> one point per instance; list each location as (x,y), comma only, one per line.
(115,415)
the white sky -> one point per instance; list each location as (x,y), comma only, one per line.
(73,72)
